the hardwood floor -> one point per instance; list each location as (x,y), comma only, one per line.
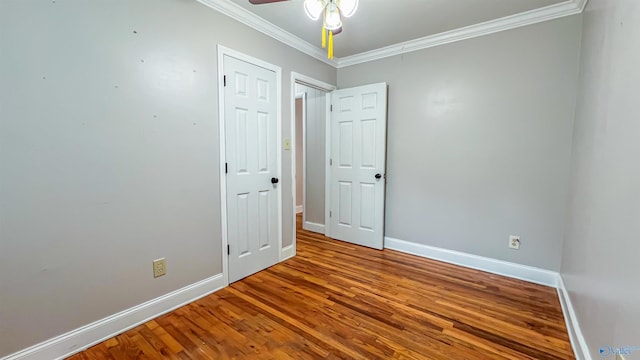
(335,300)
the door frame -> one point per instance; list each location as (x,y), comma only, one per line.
(297,78)
(302,96)
(222,51)
(327,172)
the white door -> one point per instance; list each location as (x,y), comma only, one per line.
(357,164)
(251,144)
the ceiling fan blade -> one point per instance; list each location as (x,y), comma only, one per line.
(260,2)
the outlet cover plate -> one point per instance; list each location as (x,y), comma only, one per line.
(159,267)
(514,242)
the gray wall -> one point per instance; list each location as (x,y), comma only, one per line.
(479,141)
(108,162)
(109,154)
(315,161)
(601,248)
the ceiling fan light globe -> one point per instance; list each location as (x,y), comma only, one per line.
(348,7)
(314,8)
(332,20)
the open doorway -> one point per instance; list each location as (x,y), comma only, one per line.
(309,150)
(343,160)
(311,157)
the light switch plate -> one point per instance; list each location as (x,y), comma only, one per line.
(287,144)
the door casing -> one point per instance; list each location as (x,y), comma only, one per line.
(301,96)
(297,78)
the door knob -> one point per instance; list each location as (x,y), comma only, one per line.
(378,176)
(274,180)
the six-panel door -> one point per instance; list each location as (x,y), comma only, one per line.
(358,148)
(251,155)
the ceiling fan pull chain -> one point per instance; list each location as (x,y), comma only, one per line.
(324,37)
(330,44)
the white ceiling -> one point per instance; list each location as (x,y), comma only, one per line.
(380,23)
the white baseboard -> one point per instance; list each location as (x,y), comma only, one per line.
(311,226)
(82,338)
(578,343)
(299,209)
(513,270)
(287,253)
(517,271)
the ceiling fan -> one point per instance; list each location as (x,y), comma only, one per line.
(331,11)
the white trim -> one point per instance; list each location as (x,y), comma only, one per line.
(223,175)
(288,252)
(303,96)
(327,172)
(315,227)
(509,269)
(578,342)
(84,337)
(583,4)
(237,12)
(550,12)
(222,51)
(254,21)
(311,82)
(297,78)
(294,195)
(299,209)
(513,270)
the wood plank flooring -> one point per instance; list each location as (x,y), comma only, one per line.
(335,300)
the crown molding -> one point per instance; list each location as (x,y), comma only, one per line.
(236,12)
(550,12)
(583,4)
(252,20)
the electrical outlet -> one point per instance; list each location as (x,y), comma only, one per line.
(514,242)
(159,267)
